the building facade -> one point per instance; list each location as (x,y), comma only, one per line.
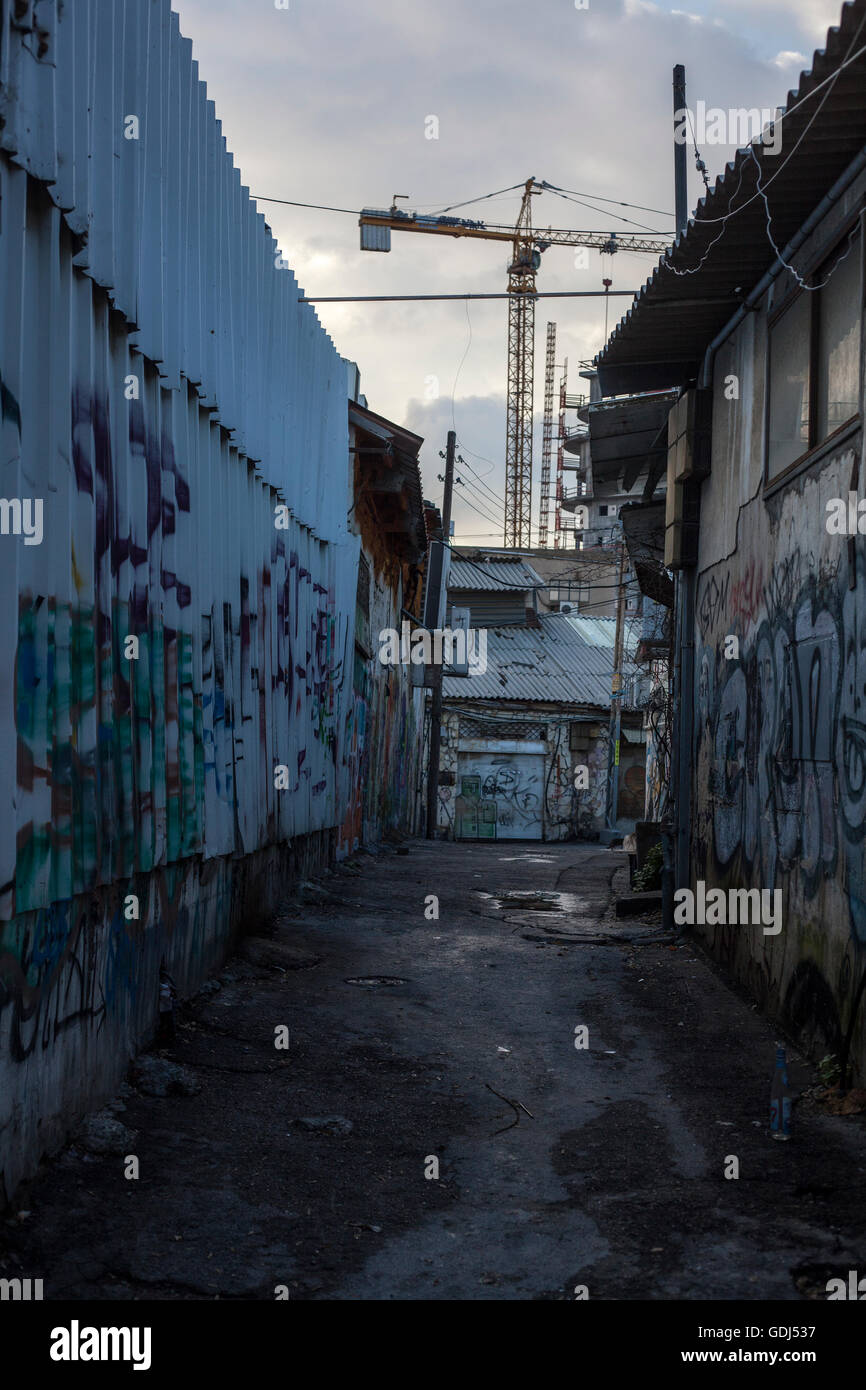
(765,481)
(526,742)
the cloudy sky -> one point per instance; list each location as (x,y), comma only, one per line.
(327,102)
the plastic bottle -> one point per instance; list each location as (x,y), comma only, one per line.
(780,1098)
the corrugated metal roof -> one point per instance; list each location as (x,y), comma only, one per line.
(493,574)
(596,632)
(550,664)
(601,632)
(699,283)
(403,447)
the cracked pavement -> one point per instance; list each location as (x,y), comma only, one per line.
(560,1167)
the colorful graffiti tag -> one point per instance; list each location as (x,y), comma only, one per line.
(781,744)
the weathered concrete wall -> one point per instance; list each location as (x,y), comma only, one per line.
(780,757)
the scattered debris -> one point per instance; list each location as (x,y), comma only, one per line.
(157,1076)
(837,1102)
(516,1106)
(276,955)
(324,1124)
(101,1133)
(638,903)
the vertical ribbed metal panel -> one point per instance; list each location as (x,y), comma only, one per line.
(170,229)
(145,259)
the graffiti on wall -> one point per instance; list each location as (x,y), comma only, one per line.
(781,744)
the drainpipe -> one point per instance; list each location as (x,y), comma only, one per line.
(675,838)
(684,694)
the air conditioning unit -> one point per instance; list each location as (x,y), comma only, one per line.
(568,608)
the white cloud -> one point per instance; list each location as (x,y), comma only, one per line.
(326,103)
(787,59)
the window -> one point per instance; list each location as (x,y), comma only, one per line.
(789,385)
(814,360)
(839,344)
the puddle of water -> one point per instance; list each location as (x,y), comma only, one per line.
(370,980)
(560,903)
(526,859)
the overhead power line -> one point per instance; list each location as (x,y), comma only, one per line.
(402,298)
(290,203)
(495,496)
(356,212)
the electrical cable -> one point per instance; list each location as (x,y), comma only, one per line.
(618,216)
(496,497)
(484,196)
(486,516)
(832,79)
(483,459)
(576,193)
(290,203)
(699,163)
(796,274)
(477,494)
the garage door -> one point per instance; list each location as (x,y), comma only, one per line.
(499,796)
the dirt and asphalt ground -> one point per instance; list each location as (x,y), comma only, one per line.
(415,1041)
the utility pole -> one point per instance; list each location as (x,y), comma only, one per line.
(616,696)
(681,199)
(675,832)
(436,671)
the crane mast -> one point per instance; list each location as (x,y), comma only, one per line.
(560,456)
(547,435)
(521,366)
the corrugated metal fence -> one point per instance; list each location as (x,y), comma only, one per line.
(162,395)
(160,424)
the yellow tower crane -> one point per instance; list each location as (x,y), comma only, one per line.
(527,247)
